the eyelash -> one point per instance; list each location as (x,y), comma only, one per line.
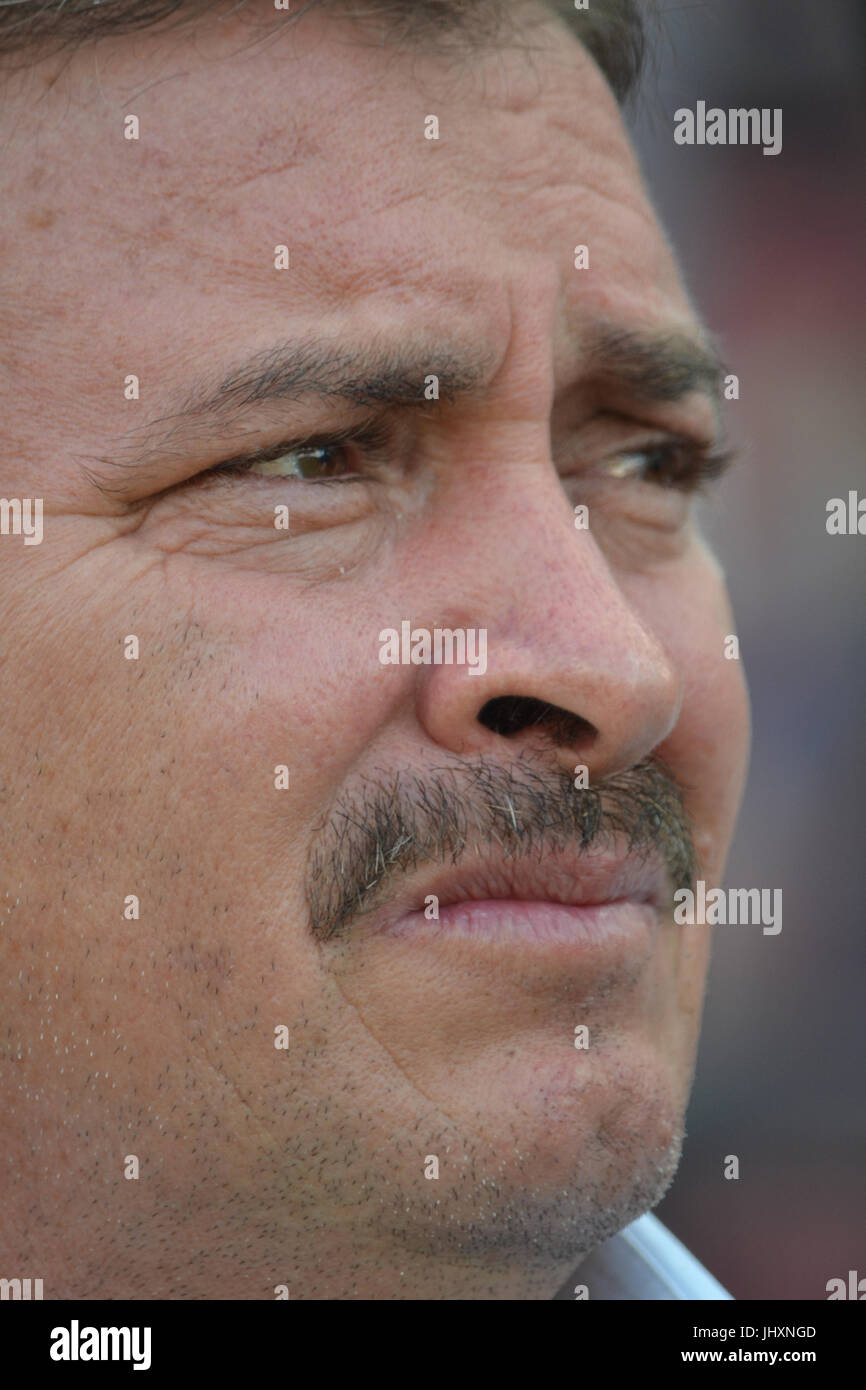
(368,438)
(691,467)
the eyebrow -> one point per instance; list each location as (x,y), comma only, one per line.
(370,375)
(656,367)
(362,376)
(651,366)
(647,366)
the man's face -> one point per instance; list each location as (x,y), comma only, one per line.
(409,1038)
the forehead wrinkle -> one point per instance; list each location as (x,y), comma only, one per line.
(481,152)
(217,177)
(262,160)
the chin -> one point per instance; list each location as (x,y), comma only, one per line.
(553,1161)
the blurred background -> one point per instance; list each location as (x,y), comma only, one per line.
(774,250)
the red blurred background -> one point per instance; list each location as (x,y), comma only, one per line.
(773,251)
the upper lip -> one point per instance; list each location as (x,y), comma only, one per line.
(568,876)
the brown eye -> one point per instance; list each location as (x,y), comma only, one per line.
(675,463)
(308,461)
(343,456)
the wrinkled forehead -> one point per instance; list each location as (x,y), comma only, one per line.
(226,113)
(311,137)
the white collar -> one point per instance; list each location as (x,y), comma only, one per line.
(644,1261)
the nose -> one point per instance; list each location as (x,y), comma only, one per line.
(572,670)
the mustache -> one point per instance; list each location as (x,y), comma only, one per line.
(399,821)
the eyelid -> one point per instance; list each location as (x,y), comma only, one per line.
(707,458)
(639,440)
(374,434)
(710,455)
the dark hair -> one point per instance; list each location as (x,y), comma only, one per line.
(612,30)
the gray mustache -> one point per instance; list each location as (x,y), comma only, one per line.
(406,819)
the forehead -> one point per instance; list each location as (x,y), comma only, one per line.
(307,136)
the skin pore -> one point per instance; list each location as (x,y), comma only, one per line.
(154,1036)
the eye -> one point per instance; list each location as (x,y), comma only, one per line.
(676,463)
(304,461)
(339,457)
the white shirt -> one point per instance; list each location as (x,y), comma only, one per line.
(644,1261)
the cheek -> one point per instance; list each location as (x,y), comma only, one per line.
(708,748)
(320,692)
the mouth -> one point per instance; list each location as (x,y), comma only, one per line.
(580,901)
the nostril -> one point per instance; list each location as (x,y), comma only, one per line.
(511,714)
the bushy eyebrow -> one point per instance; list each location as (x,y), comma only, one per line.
(292,372)
(656,366)
(645,366)
(364,376)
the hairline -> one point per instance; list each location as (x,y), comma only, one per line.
(614,37)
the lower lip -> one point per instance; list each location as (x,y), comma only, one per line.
(506,920)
